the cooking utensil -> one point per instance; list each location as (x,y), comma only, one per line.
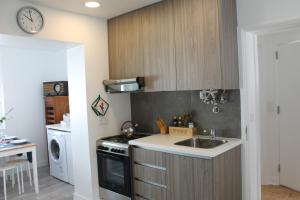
(163,128)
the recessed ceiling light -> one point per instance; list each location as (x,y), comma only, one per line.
(92,4)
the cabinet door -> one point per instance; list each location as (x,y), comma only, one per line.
(228,39)
(159,47)
(197,44)
(55,107)
(125,46)
(188,178)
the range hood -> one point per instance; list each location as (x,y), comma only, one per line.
(124,85)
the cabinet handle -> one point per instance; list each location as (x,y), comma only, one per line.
(151,166)
(151,183)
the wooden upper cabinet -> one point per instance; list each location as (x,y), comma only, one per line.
(229,47)
(177,45)
(125,46)
(197,44)
(159,47)
(206,44)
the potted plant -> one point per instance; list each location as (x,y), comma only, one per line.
(4,118)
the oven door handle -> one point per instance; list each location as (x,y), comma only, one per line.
(111,155)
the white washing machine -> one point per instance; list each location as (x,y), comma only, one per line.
(59,149)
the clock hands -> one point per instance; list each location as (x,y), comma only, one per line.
(28,18)
(30,15)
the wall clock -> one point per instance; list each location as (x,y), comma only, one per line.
(30,20)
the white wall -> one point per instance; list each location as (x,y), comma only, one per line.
(92,33)
(2,126)
(23,73)
(254,12)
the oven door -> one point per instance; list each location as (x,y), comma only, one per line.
(114,173)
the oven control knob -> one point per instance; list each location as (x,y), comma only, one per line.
(113,150)
(103,148)
(121,151)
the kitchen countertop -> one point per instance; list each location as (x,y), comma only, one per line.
(166,143)
(59,127)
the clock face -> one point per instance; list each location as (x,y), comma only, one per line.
(30,20)
(57,88)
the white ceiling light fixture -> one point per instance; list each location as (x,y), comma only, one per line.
(92,4)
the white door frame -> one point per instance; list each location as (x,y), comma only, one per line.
(250,104)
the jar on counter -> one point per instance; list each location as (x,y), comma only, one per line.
(191,125)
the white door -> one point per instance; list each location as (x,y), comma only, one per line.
(288,84)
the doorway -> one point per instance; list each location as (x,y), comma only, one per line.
(260,125)
(268,108)
(72,57)
(280,90)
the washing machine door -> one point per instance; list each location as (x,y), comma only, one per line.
(55,150)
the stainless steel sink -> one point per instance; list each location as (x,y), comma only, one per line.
(201,143)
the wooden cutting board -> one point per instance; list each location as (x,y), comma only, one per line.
(182,131)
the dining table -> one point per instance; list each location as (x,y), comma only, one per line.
(16,149)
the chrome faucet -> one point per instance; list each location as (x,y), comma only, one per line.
(213,133)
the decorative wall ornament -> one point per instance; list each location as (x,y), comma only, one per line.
(214,97)
(100,106)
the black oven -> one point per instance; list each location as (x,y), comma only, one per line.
(114,172)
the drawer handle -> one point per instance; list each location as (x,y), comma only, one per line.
(151,166)
(151,183)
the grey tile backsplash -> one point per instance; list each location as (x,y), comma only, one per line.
(146,107)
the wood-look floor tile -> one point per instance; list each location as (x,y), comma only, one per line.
(279,193)
(50,188)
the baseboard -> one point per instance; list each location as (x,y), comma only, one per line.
(43,163)
(79,197)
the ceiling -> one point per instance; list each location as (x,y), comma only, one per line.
(108,8)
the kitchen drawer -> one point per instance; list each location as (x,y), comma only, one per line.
(153,175)
(145,190)
(145,157)
(139,198)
